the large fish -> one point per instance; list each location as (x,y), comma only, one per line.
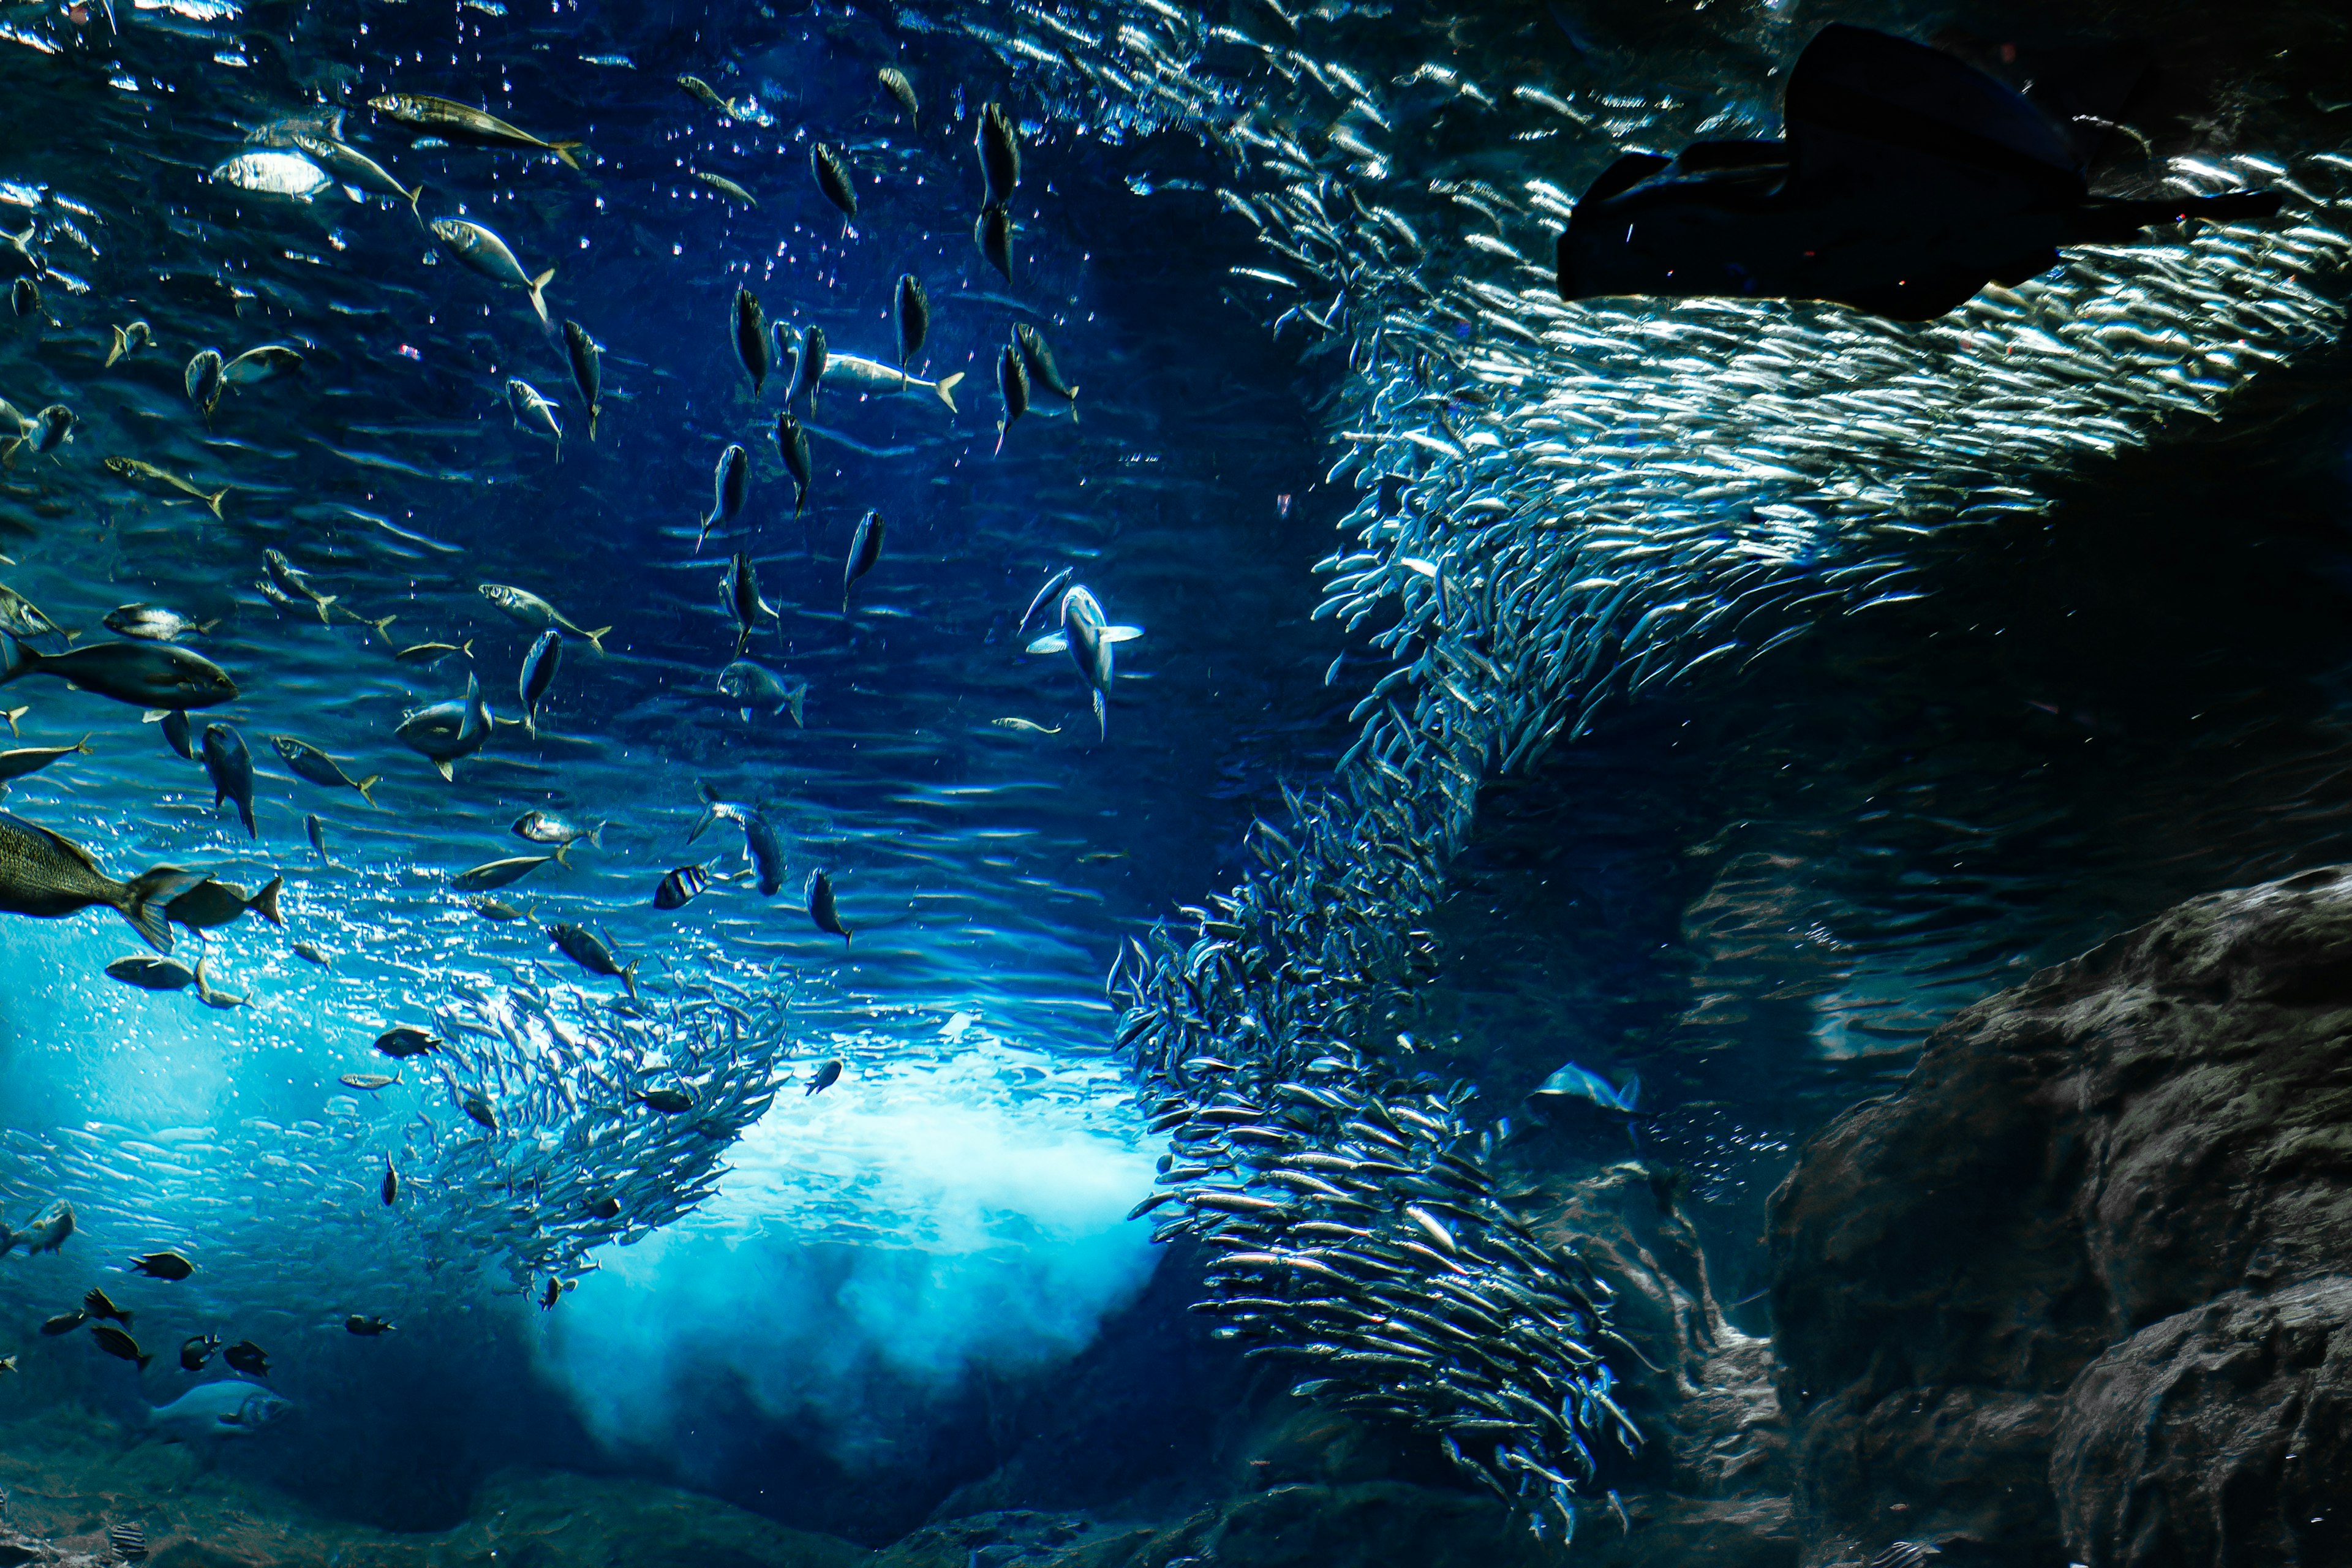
(49,877)
(231,1407)
(1907,180)
(143,674)
(449,731)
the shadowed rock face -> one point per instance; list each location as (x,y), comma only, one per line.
(2083,1285)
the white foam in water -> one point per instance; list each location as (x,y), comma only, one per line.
(1017,1213)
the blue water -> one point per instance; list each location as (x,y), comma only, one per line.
(1759,886)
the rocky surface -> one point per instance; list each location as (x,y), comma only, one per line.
(2078,1292)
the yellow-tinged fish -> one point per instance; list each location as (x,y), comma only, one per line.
(456,121)
(132,470)
(48,877)
(728,188)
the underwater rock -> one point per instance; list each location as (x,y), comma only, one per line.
(2220,1435)
(2076,1292)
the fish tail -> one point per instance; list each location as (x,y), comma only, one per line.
(214,500)
(945,387)
(82,745)
(380,626)
(8,449)
(1102,716)
(366,785)
(1073,405)
(1000,427)
(145,896)
(563,855)
(629,976)
(594,410)
(597,638)
(264,902)
(539,300)
(415,197)
(121,347)
(744,637)
(16,659)
(793,702)
(530,729)
(325,601)
(564,150)
(597,837)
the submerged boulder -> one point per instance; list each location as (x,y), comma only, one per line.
(2079,1291)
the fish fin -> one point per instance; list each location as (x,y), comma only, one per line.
(445,771)
(367,784)
(1631,1094)
(596,637)
(152,715)
(380,626)
(597,836)
(743,636)
(264,902)
(1002,426)
(326,601)
(415,197)
(1052,642)
(793,702)
(1073,405)
(1869,109)
(564,150)
(121,347)
(82,745)
(214,500)
(12,714)
(467,647)
(798,500)
(538,298)
(245,814)
(1102,716)
(1120,634)
(530,723)
(9,451)
(945,387)
(148,893)
(629,976)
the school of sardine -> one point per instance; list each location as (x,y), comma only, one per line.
(1561,505)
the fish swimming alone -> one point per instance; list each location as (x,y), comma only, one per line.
(447,732)
(536,675)
(307,762)
(144,675)
(49,877)
(750,683)
(584,949)
(483,251)
(1088,638)
(586,357)
(1907,180)
(874,379)
(229,1407)
(539,615)
(455,122)
(230,767)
